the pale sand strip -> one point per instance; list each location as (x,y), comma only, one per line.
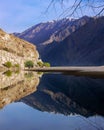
(69,69)
(89,71)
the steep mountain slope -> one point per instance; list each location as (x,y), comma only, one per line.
(16,50)
(45,33)
(73,42)
(83,47)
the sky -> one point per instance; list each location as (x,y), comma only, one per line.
(19,15)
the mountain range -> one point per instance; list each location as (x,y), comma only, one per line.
(69,41)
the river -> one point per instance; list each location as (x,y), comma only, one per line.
(51,101)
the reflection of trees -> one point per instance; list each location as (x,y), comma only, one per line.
(16,86)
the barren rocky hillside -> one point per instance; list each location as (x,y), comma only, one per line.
(16,50)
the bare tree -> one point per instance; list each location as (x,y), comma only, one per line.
(79,7)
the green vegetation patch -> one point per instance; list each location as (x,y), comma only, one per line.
(43,64)
(17,65)
(29,75)
(29,64)
(8,64)
(40,64)
(46,64)
(8,73)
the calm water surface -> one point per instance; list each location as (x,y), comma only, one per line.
(52,102)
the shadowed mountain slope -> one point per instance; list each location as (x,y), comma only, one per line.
(83,47)
(73,42)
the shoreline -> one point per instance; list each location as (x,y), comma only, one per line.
(68,69)
(87,71)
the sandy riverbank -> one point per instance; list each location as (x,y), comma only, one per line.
(90,71)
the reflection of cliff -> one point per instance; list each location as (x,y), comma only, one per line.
(68,94)
(16,86)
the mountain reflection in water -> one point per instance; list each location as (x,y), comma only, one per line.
(61,100)
(68,95)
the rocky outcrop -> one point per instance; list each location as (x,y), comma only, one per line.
(16,50)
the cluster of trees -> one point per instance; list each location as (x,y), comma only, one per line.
(30,64)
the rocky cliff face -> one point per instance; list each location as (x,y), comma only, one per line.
(16,50)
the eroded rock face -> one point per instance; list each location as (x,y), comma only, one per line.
(16,86)
(16,50)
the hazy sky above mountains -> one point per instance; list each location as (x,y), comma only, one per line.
(18,15)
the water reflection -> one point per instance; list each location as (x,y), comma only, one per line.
(16,85)
(78,102)
(68,95)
